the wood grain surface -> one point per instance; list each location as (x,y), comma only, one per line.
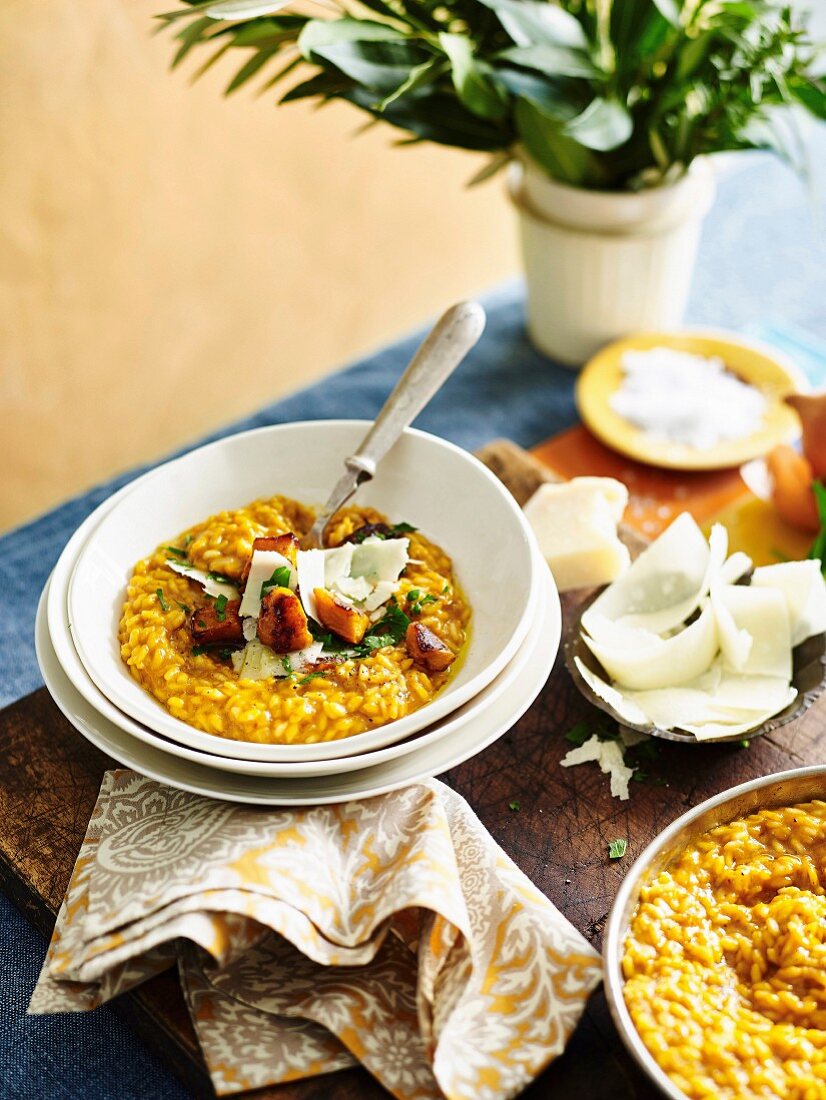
(49,780)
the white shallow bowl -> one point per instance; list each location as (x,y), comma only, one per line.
(189,775)
(544,631)
(425,481)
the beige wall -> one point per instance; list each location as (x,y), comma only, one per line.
(170,259)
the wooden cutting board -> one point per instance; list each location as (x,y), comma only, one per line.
(50,776)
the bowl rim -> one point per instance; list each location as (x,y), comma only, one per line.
(446,701)
(721,808)
(57,621)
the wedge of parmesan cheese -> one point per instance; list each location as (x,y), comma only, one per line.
(575,523)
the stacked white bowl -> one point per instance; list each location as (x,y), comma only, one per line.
(439,488)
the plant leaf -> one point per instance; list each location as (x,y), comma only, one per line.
(244,9)
(421,75)
(551,60)
(471,78)
(669,10)
(197,31)
(603,125)
(535,23)
(561,156)
(320,33)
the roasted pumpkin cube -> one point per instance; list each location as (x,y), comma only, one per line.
(212,625)
(347,622)
(286,544)
(427,649)
(282,624)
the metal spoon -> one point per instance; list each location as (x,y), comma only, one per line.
(443,349)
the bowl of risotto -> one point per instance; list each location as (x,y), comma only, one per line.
(715,950)
(196,611)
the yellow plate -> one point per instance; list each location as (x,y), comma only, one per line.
(602,375)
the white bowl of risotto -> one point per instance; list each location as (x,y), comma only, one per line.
(195,612)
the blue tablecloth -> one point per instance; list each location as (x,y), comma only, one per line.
(760,270)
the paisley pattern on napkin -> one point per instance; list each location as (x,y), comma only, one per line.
(392,932)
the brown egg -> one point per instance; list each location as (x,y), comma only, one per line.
(791,477)
(811,408)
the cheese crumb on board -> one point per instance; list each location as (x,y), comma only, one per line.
(575,523)
(609,756)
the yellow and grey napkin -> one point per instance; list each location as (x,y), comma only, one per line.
(393,932)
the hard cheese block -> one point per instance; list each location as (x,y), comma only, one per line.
(576,525)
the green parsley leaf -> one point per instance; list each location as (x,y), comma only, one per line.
(745,743)
(287,663)
(177,552)
(413,595)
(617,848)
(514,805)
(226,652)
(188,540)
(221,578)
(161,600)
(279,579)
(311,676)
(401,529)
(579,734)
(446,589)
(197,650)
(221,608)
(184,607)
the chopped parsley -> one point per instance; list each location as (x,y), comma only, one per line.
(446,589)
(188,540)
(745,743)
(279,579)
(226,652)
(579,734)
(310,676)
(514,805)
(221,578)
(416,601)
(380,531)
(389,630)
(198,650)
(184,607)
(617,848)
(287,664)
(178,553)
(221,608)
(161,600)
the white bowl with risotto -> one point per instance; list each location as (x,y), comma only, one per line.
(433,584)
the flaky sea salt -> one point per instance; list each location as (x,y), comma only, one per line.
(676,397)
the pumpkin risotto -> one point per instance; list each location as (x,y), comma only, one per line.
(241,634)
(725,960)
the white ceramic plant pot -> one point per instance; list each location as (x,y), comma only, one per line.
(602,264)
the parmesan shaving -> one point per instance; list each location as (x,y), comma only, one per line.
(209,582)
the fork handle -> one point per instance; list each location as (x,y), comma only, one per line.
(445,346)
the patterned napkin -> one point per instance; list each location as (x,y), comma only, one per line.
(392,932)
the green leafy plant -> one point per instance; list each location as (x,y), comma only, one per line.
(608,94)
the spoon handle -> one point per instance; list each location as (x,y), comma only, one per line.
(445,346)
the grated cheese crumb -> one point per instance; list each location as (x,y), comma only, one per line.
(608,754)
